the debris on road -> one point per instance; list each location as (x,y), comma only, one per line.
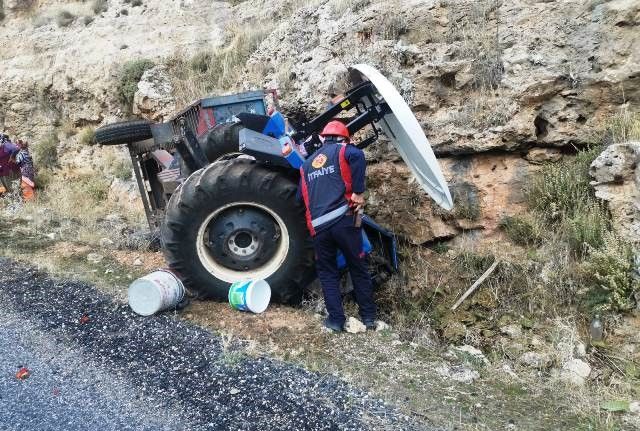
(250,295)
(160,290)
(177,365)
(84,319)
(23,373)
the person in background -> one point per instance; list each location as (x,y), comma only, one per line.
(27,170)
(8,167)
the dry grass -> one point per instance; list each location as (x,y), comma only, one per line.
(624,127)
(475,32)
(216,70)
(87,136)
(46,151)
(483,111)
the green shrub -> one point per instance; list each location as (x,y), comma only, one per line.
(46,151)
(135,3)
(522,230)
(87,136)
(95,188)
(44,177)
(121,169)
(128,79)
(609,270)
(560,189)
(87,20)
(124,12)
(586,229)
(65,18)
(99,6)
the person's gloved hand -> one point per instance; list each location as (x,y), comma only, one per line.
(357,201)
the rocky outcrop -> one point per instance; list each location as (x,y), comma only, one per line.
(481,75)
(52,74)
(616,179)
(155,99)
(499,87)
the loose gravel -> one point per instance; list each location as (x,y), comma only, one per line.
(120,371)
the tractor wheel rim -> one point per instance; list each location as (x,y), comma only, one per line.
(242,240)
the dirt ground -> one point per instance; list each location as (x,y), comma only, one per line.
(415,371)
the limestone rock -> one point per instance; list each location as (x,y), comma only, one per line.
(580,350)
(19,5)
(154,99)
(382,326)
(95,257)
(475,354)
(575,372)
(616,179)
(535,360)
(480,116)
(354,326)
(543,155)
(458,373)
(512,331)
(106,242)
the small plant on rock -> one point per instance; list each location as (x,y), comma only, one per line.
(561,189)
(130,75)
(99,6)
(87,136)
(65,18)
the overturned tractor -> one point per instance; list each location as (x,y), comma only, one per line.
(219,182)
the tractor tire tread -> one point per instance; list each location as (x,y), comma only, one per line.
(227,181)
(126,132)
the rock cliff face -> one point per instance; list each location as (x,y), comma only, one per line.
(499,87)
(616,178)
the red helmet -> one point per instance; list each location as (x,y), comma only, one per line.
(335,128)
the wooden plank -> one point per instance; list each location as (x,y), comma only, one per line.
(475,285)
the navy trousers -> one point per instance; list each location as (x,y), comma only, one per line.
(345,236)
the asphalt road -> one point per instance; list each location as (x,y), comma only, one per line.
(120,371)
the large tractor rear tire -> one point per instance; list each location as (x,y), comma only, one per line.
(125,132)
(237,220)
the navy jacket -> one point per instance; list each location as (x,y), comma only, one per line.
(327,179)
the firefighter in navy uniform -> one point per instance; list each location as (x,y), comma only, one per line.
(332,184)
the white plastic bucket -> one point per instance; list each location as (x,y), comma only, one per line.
(155,292)
(250,295)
